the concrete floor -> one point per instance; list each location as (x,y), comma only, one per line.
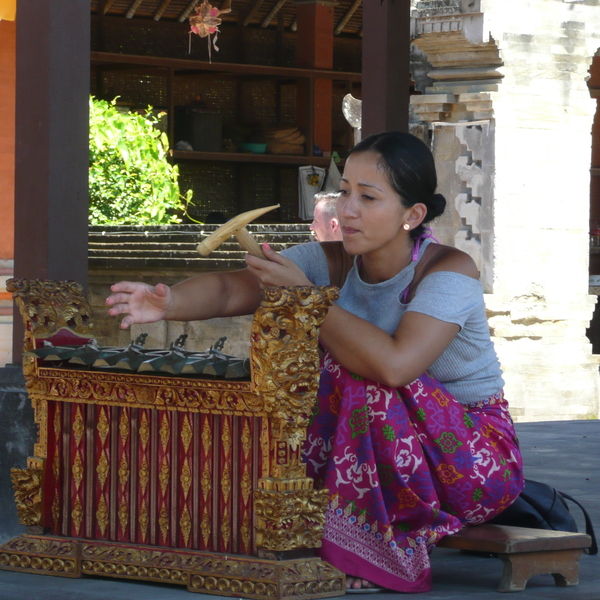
(564,454)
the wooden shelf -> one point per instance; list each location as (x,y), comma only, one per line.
(110,60)
(248,157)
(168,73)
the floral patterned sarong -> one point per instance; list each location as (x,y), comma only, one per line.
(405,467)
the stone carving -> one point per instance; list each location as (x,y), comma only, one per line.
(468,203)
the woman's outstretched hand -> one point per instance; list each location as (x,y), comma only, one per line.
(139,302)
(276,271)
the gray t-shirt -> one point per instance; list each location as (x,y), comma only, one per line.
(469,367)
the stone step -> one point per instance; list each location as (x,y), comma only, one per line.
(194,264)
(285,238)
(142,252)
(193,229)
(174,246)
(152,248)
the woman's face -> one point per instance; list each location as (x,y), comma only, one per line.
(369,210)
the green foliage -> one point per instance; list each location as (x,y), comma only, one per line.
(131,180)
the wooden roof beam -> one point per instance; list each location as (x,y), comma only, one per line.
(132,8)
(107,5)
(161,10)
(347,17)
(186,13)
(253,11)
(274,11)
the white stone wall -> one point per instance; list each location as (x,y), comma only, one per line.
(542,113)
(540,305)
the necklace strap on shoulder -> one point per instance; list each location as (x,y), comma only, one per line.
(427,234)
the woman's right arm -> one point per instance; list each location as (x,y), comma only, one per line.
(208,295)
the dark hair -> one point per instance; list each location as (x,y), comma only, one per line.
(410,169)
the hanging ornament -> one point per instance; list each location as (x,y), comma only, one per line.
(205,23)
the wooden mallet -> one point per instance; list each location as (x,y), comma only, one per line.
(236,226)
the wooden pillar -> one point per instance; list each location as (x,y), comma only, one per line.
(314,50)
(52,155)
(386,66)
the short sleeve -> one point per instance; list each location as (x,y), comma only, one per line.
(447,296)
(311,258)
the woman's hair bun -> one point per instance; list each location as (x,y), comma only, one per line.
(436,206)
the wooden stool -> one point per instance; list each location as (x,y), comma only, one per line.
(525,552)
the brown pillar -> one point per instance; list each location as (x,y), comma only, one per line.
(52,155)
(386,66)
(314,50)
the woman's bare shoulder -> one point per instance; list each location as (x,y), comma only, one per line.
(447,258)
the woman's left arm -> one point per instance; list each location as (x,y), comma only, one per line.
(364,348)
(397,359)
(394,360)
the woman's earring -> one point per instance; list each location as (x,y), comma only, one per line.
(406,226)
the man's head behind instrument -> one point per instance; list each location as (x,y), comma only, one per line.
(325,223)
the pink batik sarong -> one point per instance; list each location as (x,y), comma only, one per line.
(405,467)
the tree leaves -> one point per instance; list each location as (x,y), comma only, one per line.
(131,180)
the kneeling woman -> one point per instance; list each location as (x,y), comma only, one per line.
(412,435)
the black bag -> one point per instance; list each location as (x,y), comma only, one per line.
(540,506)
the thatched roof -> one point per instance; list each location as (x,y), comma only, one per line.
(250,13)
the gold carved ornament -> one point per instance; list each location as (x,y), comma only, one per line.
(289,513)
(47,307)
(27,484)
(227,443)
(185,479)
(103,470)
(57,424)
(206,479)
(284,349)
(246,487)
(77,469)
(289,520)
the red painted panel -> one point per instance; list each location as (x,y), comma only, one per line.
(52,475)
(7,138)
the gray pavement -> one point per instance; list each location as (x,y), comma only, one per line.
(564,454)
